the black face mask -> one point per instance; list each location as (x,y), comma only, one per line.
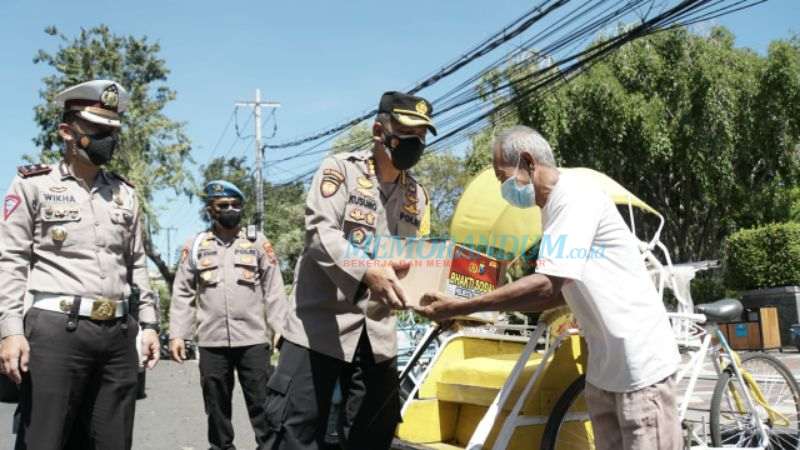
(407,152)
(99,147)
(229,218)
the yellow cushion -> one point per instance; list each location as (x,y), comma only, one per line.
(477,380)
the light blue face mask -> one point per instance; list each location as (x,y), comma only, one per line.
(516,195)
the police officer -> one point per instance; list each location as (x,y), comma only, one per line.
(70,250)
(340,327)
(229,285)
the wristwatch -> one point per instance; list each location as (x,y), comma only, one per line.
(150,326)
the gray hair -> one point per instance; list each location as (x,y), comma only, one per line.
(521,139)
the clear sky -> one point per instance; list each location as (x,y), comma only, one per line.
(325,61)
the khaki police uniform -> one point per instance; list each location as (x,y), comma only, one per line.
(232,294)
(60,242)
(333,331)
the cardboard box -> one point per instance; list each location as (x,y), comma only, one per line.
(443,266)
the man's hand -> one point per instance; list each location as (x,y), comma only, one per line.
(439,307)
(150,348)
(14,356)
(384,284)
(177,350)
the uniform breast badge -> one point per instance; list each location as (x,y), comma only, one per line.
(58,233)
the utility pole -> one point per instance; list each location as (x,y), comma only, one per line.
(169,231)
(257,105)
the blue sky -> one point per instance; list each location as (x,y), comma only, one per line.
(325,61)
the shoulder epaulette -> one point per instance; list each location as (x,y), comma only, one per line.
(123,179)
(33,170)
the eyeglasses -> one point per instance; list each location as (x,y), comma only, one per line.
(228,205)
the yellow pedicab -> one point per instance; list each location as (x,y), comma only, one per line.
(486,389)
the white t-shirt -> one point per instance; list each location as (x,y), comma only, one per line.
(585,240)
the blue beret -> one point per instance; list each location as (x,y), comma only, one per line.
(221,188)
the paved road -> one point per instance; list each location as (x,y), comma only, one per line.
(172,416)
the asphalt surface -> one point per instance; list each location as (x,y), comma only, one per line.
(172,416)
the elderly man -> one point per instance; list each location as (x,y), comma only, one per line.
(229,287)
(340,327)
(632,352)
(71,247)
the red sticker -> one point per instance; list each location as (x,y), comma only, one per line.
(10,205)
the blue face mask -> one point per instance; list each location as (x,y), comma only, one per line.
(516,195)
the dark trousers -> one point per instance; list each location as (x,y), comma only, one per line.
(299,399)
(216,377)
(80,390)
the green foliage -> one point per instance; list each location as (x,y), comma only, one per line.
(709,287)
(706,133)
(357,138)
(763,257)
(793,197)
(154,150)
(283,205)
(444,178)
(165,298)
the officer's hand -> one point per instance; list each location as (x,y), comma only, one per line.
(439,307)
(14,355)
(177,350)
(150,348)
(384,285)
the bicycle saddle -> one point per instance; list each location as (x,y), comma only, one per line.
(725,310)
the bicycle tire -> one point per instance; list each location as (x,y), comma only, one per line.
(562,406)
(717,433)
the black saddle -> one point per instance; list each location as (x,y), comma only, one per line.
(725,310)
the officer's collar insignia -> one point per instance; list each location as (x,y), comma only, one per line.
(110,97)
(422,108)
(411,208)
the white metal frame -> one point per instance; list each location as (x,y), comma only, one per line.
(693,338)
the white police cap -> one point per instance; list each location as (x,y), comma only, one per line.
(97,101)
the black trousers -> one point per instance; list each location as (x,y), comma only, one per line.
(80,390)
(299,399)
(217,365)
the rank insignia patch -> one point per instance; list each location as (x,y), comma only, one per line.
(10,205)
(331,181)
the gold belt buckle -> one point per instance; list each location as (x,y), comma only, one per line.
(103,309)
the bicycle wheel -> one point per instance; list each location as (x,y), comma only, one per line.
(733,426)
(569,427)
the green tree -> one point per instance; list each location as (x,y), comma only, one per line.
(444,178)
(154,149)
(705,132)
(357,138)
(284,206)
